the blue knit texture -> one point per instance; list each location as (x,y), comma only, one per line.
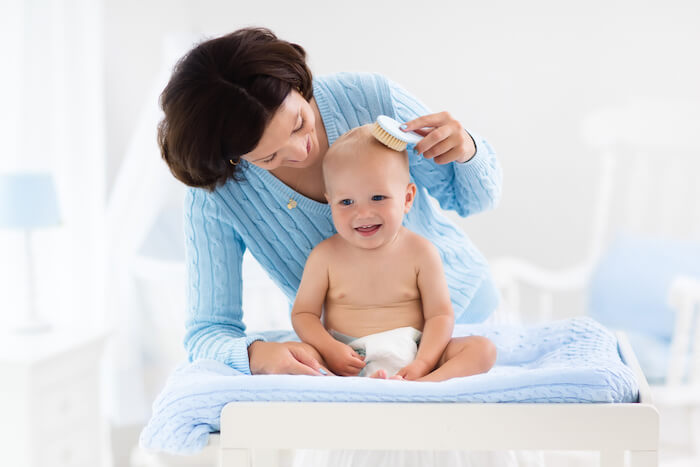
(252,214)
(568,361)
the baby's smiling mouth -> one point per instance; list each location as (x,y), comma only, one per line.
(367,230)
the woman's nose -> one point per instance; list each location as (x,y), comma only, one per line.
(298,152)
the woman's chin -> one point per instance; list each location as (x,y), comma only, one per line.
(309,162)
(297,164)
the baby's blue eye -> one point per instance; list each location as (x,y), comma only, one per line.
(346,202)
(378,197)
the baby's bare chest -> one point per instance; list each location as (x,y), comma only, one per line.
(373,281)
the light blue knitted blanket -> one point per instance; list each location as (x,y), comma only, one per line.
(573,360)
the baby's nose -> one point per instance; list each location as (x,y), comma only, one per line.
(364,212)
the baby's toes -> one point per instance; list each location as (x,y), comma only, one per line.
(380,374)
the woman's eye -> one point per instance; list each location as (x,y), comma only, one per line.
(272,157)
(301,125)
(378,197)
(346,202)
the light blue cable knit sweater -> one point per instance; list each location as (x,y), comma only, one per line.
(253,214)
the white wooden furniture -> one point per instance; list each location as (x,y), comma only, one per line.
(650,160)
(649,157)
(49,399)
(250,430)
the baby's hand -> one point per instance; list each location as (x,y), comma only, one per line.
(414,370)
(343,360)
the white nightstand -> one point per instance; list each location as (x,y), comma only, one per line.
(49,399)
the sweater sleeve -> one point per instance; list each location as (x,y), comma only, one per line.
(467,188)
(214,257)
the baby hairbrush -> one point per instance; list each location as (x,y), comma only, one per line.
(387,132)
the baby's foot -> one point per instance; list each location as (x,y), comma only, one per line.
(381,374)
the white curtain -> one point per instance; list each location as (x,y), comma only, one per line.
(146,273)
(144,244)
(52,118)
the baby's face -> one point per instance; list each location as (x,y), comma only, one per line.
(368,198)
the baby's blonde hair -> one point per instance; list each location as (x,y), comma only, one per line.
(359,142)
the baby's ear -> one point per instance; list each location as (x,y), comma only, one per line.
(410,197)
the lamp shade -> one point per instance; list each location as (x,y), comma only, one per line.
(28,201)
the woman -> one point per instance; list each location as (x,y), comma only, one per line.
(246,128)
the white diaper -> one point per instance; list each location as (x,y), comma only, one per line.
(388,350)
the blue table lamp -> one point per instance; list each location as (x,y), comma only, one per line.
(28,202)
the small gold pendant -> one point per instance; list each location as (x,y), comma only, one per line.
(291,204)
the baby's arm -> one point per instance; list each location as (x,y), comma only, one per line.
(306,316)
(437,311)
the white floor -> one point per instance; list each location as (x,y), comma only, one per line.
(208,458)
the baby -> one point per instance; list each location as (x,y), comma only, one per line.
(373,299)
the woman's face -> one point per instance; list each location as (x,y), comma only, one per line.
(290,139)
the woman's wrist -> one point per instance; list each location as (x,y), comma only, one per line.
(259,360)
(471,152)
(251,352)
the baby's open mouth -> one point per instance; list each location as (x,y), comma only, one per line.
(368,230)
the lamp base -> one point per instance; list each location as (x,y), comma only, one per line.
(31,326)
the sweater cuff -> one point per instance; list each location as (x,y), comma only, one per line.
(236,356)
(478,164)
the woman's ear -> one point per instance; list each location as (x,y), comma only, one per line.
(410,196)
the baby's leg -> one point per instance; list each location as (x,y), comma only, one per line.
(464,356)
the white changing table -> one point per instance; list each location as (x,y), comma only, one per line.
(611,429)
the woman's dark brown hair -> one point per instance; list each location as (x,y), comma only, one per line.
(221,96)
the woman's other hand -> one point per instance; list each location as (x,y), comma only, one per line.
(284,358)
(343,360)
(444,139)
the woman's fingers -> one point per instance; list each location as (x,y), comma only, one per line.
(423,131)
(430,120)
(444,139)
(436,143)
(298,368)
(303,357)
(304,361)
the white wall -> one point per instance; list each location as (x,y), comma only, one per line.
(521,73)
